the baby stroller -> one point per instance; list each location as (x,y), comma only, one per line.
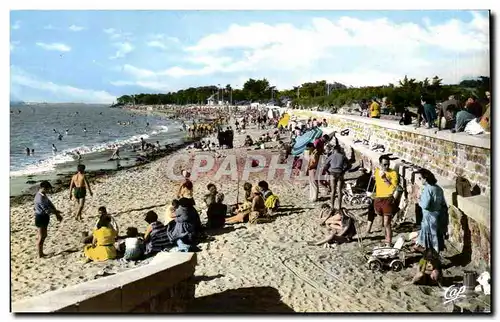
(391,257)
(353,195)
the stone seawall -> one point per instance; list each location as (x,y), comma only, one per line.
(164,285)
(446,154)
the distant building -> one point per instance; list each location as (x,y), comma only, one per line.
(211,100)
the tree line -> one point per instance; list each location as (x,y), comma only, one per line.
(321,93)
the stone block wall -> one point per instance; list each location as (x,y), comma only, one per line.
(472,238)
(172,300)
(445,158)
(164,285)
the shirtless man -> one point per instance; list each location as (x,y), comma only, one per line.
(80,185)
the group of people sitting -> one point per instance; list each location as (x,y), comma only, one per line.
(105,243)
(181,227)
(452,115)
(259,203)
(264,138)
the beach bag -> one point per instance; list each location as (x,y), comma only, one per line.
(272,202)
(463,187)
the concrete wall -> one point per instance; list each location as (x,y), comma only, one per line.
(164,285)
(469,156)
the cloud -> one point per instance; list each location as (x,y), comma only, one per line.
(54,46)
(162,41)
(49,27)
(405,48)
(138,72)
(63,93)
(16,25)
(115,34)
(76,28)
(123,49)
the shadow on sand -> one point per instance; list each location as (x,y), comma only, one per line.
(242,300)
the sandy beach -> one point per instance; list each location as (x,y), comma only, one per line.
(268,267)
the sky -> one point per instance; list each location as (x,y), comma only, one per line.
(97,56)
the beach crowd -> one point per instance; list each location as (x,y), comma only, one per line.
(180,226)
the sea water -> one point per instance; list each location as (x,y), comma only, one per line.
(92,130)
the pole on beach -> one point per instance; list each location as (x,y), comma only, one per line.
(238,183)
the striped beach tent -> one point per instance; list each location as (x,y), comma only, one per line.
(301,141)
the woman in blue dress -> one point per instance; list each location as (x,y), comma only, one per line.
(434,214)
(433,228)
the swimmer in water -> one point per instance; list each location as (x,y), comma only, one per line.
(67,132)
(32,152)
(147,124)
(59,137)
(84,130)
(27,151)
(54,149)
(78,156)
(79,185)
(55,131)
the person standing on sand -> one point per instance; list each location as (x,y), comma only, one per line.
(79,184)
(116,153)
(312,166)
(386,183)
(43,209)
(336,165)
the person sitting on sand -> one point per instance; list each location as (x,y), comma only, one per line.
(216,212)
(210,196)
(429,269)
(134,245)
(271,201)
(186,188)
(43,209)
(170,213)
(256,211)
(79,184)
(101,212)
(259,210)
(248,141)
(103,243)
(342,225)
(156,237)
(186,229)
(247,201)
